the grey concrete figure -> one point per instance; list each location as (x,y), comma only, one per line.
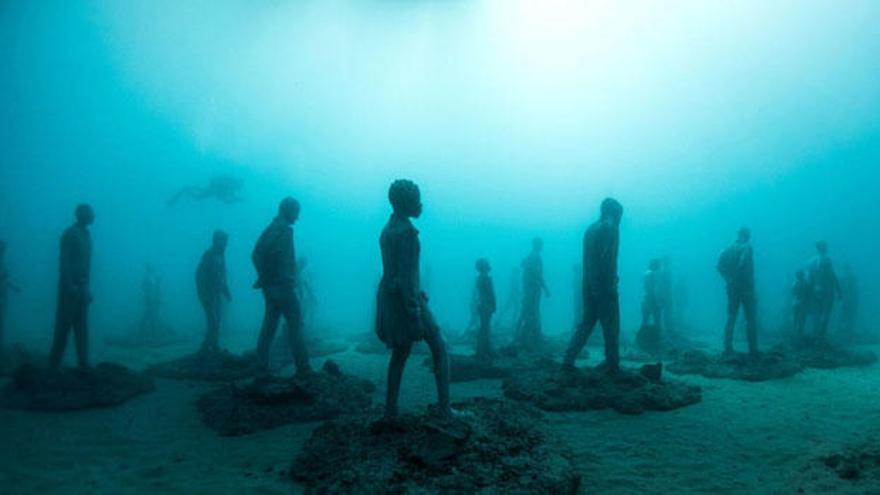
(651,300)
(74,294)
(826,287)
(486,307)
(529,333)
(223,188)
(402,314)
(801,293)
(274,258)
(601,301)
(6,284)
(151,291)
(736,265)
(213,289)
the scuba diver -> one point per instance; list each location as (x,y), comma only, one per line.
(601,300)
(736,265)
(213,288)
(826,287)
(223,188)
(74,295)
(533,287)
(402,314)
(485,306)
(274,258)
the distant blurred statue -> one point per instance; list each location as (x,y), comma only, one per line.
(801,293)
(305,293)
(601,300)
(510,310)
(274,258)
(849,302)
(485,308)
(151,293)
(651,305)
(74,295)
(6,285)
(736,265)
(533,288)
(223,188)
(826,287)
(577,292)
(212,288)
(665,299)
(402,314)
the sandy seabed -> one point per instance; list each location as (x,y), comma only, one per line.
(742,438)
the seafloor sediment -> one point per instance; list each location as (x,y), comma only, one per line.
(167,337)
(219,366)
(267,403)
(67,389)
(627,391)
(494,446)
(772,365)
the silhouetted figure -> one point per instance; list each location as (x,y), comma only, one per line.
(151,293)
(74,295)
(6,285)
(736,265)
(213,288)
(825,286)
(274,258)
(305,293)
(402,314)
(222,188)
(849,302)
(800,302)
(533,287)
(601,301)
(651,306)
(485,309)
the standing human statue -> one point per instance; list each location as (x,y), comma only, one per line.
(533,286)
(736,265)
(601,300)
(801,294)
(74,295)
(274,258)
(213,288)
(402,314)
(826,287)
(651,300)
(6,285)
(486,306)
(151,293)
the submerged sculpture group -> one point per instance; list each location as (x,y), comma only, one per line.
(447,438)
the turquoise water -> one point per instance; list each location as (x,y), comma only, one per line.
(516,118)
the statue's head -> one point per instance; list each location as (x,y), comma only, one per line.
(85,215)
(405,198)
(483,266)
(744,234)
(288,210)
(611,210)
(220,240)
(821,247)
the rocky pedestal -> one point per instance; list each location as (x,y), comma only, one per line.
(493,446)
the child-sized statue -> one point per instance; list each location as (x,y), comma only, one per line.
(402,314)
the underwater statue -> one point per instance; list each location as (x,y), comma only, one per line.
(151,291)
(213,288)
(601,300)
(736,266)
(74,295)
(801,293)
(6,284)
(402,314)
(223,188)
(274,258)
(823,280)
(486,307)
(651,305)
(533,288)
